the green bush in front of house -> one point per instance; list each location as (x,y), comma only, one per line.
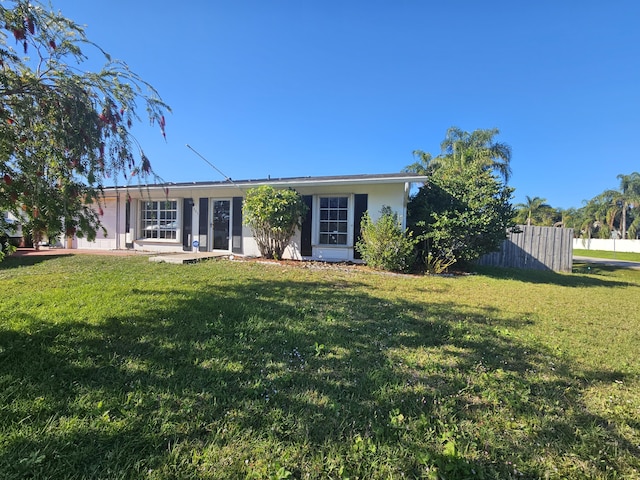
(273,215)
(384,245)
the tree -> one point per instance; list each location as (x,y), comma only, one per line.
(571,218)
(423,166)
(629,197)
(533,210)
(463,211)
(459,215)
(384,244)
(460,148)
(63,131)
(273,216)
(595,214)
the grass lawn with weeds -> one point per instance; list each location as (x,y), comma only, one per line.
(116,367)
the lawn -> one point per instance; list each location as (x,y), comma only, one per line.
(628,256)
(116,367)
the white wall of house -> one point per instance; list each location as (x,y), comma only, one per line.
(608,244)
(111,220)
(15,232)
(393,194)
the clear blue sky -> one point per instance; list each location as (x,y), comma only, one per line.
(297,88)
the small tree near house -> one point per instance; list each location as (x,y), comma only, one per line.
(273,216)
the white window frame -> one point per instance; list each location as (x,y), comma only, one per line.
(349,222)
(145,224)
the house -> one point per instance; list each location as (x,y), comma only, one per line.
(10,229)
(207,216)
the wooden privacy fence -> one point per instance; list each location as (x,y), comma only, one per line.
(536,248)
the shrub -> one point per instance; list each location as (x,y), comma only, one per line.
(384,244)
(458,216)
(8,245)
(273,216)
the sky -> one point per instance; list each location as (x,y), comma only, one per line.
(289,88)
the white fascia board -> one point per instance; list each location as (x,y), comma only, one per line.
(244,185)
(317,182)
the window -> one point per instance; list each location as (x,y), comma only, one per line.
(333,220)
(160,220)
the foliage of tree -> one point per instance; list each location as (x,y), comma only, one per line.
(459,149)
(423,165)
(596,217)
(535,211)
(64,130)
(628,198)
(273,215)
(7,244)
(459,215)
(614,212)
(463,211)
(384,244)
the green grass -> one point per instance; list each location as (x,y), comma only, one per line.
(117,367)
(628,256)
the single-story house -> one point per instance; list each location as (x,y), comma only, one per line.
(207,216)
(10,229)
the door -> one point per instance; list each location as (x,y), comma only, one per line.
(221,224)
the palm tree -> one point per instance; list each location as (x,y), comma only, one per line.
(610,204)
(460,148)
(596,212)
(423,166)
(571,218)
(634,227)
(629,196)
(533,209)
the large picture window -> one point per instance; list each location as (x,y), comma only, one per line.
(334,220)
(160,220)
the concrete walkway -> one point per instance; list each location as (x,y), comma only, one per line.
(181,257)
(609,262)
(186,257)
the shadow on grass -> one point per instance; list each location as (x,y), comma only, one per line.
(318,378)
(18,261)
(582,276)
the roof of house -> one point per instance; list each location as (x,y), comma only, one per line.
(294,181)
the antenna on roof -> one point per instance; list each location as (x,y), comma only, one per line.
(228,179)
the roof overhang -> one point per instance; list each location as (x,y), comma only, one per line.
(291,182)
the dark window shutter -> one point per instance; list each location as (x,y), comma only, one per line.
(305,230)
(127,216)
(187,221)
(127,222)
(236,226)
(203,222)
(360,206)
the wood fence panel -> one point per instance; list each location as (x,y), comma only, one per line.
(536,248)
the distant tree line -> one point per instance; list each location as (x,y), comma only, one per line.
(611,214)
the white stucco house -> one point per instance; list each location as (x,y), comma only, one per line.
(207,216)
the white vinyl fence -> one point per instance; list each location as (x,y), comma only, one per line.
(608,244)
